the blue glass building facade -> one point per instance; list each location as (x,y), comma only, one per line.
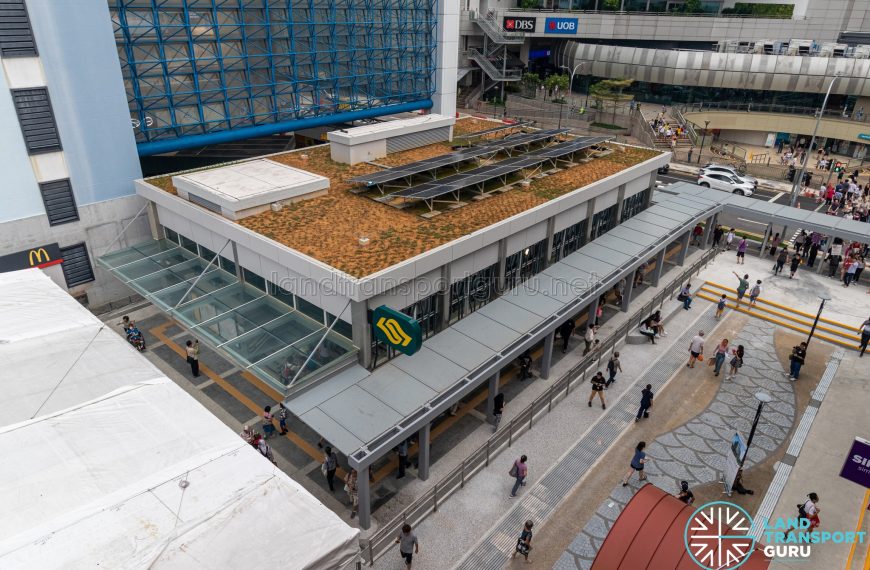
(198,72)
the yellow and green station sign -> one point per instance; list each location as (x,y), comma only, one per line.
(397,330)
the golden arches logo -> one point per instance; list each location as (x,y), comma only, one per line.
(40,255)
(393,331)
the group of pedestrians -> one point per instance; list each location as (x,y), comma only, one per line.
(723,352)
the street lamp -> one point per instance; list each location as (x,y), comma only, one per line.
(763,398)
(799,180)
(824,297)
(573,71)
(703,140)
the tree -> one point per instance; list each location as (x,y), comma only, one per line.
(528,4)
(530,83)
(692,7)
(612,5)
(611,90)
(554,82)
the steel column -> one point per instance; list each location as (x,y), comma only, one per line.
(423,452)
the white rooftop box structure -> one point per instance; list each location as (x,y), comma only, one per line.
(247,188)
(377,140)
(107,463)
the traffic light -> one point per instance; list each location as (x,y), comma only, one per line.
(839,167)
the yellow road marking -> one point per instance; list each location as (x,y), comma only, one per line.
(857,529)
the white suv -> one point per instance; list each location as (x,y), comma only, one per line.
(729,170)
(726,182)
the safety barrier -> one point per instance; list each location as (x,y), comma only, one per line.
(384,538)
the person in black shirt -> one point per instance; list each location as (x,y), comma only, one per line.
(646,402)
(497,408)
(525,365)
(565,332)
(686,495)
(797,357)
(598,383)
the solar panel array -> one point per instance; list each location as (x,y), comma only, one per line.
(487,147)
(456,182)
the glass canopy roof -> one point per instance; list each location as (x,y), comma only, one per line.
(255,330)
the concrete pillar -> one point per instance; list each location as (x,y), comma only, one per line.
(627,293)
(239,275)
(709,224)
(767,234)
(547,358)
(551,230)
(620,199)
(590,213)
(684,248)
(444,296)
(660,266)
(361,331)
(153,221)
(423,452)
(647,201)
(364,498)
(502,260)
(590,315)
(490,397)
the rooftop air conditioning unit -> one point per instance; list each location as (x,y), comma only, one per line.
(862,52)
(769,47)
(800,47)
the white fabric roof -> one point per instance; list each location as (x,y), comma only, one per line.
(95,441)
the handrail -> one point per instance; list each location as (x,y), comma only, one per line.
(384,538)
(492,71)
(495,33)
(690,127)
(645,131)
(660,14)
(835,114)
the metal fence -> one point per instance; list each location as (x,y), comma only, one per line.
(662,13)
(384,538)
(769,108)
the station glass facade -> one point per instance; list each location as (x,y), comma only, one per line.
(194,67)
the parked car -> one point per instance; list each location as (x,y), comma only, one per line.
(730,170)
(726,182)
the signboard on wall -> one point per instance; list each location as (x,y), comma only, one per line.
(560,26)
(40,256)
(397,330)
(519,23)
(864,137)
(857,465)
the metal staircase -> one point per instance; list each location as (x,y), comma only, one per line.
(489,66)
(494,32)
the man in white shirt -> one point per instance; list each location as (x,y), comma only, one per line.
(696,348)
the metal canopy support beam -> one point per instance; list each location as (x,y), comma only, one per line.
(684,248)
(547,358)
(620,199)
(490,398)
(239,275)
(444,297)
(764,240)
(629,290)
(364,497)
(709,224)
(551,230)
(590,213)
(423,452)
(660,266)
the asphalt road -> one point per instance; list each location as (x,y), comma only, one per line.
(761,194)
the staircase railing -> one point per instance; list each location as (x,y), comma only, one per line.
(491,28)
(491,70)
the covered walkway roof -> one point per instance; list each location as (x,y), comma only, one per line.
(366,413)
(108,463)
(649,535)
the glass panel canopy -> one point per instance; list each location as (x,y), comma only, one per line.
(255,330)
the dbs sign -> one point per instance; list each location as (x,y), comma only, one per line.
(397,330)
(519,24)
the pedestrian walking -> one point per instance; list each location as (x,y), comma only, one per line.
(795,263)
(741,251)
(588,338)
(328,467)
(808,511)
(736,362)
(696,349)
(859,267)
(268,426)
(565,331)
(797,357)
(350,487)
(282,418)
(685,494)
(524,542)
(719,356)
(729,239)
(718,232)
(193,357)
(598,384)
(686,296)
(497,410)
(780,261)
(613,366)
(637,464)
(720,306)
(518,471)
(849,268)
(646,402)
(525,365)
(742,286)
(265,449)
(402,452)
(774,243)
(754,293)
(864,329)
(408,545)
(248,435)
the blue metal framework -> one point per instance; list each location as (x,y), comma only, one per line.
(204,71)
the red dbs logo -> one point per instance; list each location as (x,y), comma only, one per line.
(510,24)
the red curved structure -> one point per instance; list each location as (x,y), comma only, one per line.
(648,535)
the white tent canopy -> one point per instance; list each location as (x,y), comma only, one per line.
(108,463)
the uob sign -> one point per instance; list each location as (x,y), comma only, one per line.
(560,26)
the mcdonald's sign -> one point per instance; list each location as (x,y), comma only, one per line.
(397,330)
(40,256)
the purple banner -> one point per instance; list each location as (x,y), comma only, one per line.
(857,466)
